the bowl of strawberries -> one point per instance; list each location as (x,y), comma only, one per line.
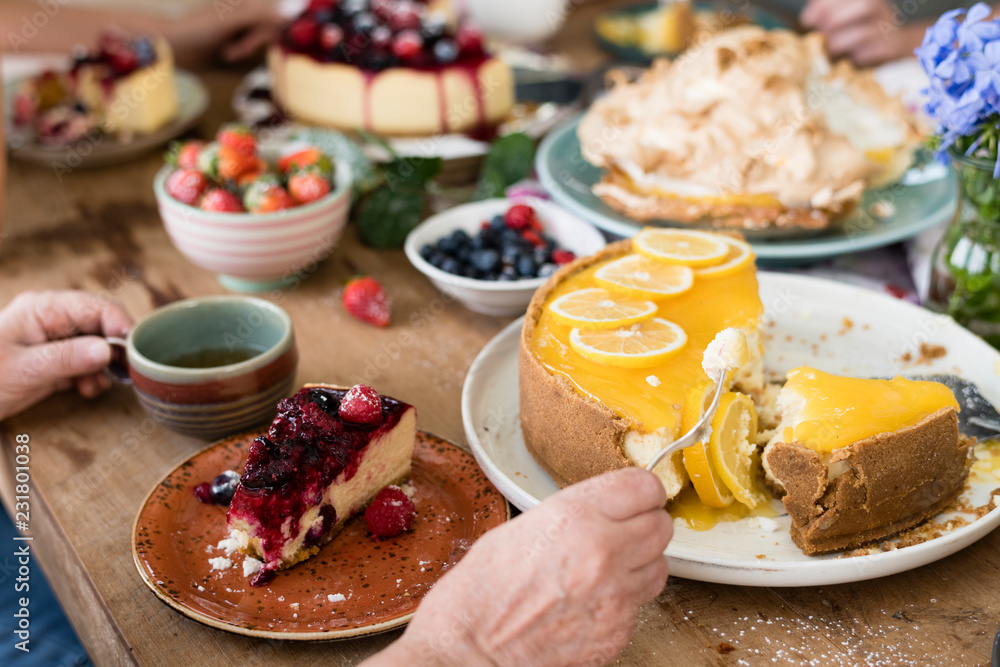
(260,216)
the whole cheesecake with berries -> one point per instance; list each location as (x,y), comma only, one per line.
(393,67)
(327,454)
(125,86)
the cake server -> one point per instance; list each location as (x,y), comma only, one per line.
(699,432)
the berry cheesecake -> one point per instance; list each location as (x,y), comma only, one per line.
(126,86)
(326,455)
(393,67)
(618,356)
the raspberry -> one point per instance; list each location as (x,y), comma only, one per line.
(519,217)
(561,256)
(408,44)
(302,33)
(361,405)
(204,493)
(390,514)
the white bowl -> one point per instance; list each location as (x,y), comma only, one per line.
(256,252)
(493,297)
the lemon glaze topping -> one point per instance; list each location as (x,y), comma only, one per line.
(838,411)
(708,307)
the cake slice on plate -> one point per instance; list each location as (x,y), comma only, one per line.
(859,460)
(329,451)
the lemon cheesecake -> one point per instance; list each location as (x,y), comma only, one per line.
(753,129)
(857,459)
(619,356)
(394,68)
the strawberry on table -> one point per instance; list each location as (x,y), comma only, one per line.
(265,195)
(308,185)
(220,201)
(365,298)
(186,185)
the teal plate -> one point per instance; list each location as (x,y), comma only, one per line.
(634,54)
(926,197)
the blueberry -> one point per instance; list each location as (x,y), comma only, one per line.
(485,260)
(432,27)
(541,255)
(546,270)
(223,487)
(468,272)
(451,265)
(145,53)
(446,51)
(509,252)
(352,7)
(460,237)
(427,252)
(508,273)
(324,400)
(498,223)
(447,245)
(437,258)
(464,253)
(478,242)
(364,23)
(490,238)
(526,266)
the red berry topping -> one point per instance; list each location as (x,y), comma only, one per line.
(204,493)
(186,185)
(519,217)
(361,405)
(221,201)
(405,16)
(470,40)
(365,299)
(321,5)
(408,44)
(302,32)
(391,513)
(330,36)
(561,256)
(308,186)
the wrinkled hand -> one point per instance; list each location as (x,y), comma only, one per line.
(559,585)
(866,31)
(44,346)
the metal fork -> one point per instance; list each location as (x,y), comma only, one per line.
(700,431)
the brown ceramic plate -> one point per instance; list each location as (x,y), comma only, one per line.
(175,535)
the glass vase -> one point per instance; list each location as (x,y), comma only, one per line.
(965,273)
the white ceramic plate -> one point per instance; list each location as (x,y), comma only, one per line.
(801,311)
(192,101)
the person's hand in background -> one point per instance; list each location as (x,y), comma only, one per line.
(868,32)
(559,585)
(53,341)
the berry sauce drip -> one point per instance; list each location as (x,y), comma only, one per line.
(287,471)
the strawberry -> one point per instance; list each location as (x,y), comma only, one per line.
(265,195)
(233,162)
(185,154)
(238,137)
(208,161)
(220,201)
(361,405)
(251,175)
(186,185)
(519,217)
(308,185)
(365,298)
(307,157)
(560,256)
(390,514)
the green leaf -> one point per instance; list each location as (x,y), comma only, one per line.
(411,171)
(387,215)
(510,160)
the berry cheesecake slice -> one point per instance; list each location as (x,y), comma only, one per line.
(327,454)
(393,67)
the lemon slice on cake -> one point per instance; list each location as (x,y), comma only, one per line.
(596,308)
(733,447)
(681,246)
(697,461)
(740,255)
(635,346)
(640,277)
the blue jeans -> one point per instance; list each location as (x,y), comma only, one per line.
(52,641)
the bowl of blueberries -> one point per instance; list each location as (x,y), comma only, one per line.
(492,255)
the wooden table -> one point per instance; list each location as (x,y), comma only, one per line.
(92,462)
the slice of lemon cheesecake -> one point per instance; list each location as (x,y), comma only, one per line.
(858,460)
(613,345)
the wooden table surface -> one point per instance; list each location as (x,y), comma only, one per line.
(93,462)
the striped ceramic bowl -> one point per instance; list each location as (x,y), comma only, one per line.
(212,366)
(257,252)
